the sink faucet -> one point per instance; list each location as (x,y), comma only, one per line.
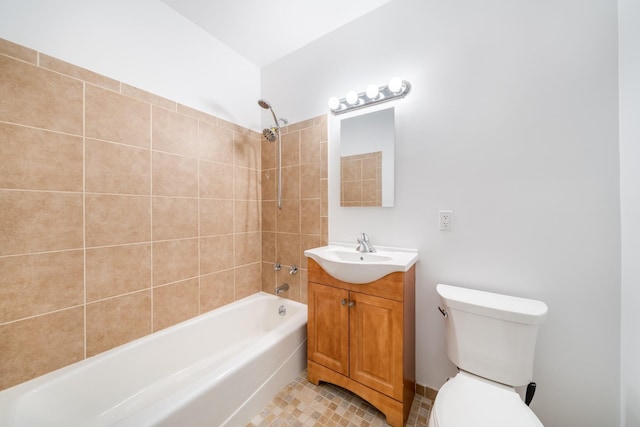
(282,288)
(364,245)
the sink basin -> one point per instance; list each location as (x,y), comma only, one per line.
(345,263)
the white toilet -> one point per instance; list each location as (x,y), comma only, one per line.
(491,338)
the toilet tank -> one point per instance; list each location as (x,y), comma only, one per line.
(491,335)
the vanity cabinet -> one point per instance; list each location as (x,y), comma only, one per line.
(362,337)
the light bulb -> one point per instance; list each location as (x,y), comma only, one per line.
(395,85)
(334,103)
(372,91)
(352,97)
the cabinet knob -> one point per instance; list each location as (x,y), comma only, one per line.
(352,303)
(344,301)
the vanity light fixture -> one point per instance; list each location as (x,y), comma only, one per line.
(397,88)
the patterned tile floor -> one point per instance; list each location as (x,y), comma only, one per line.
(302,404)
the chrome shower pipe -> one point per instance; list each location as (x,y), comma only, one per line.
(267,106)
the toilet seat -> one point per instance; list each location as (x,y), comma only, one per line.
(471,401)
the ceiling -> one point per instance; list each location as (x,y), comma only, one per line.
(265,30)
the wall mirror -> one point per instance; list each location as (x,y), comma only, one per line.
(367,159)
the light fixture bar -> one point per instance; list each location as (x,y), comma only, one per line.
(396,89)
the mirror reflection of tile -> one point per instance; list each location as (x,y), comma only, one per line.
(361,179)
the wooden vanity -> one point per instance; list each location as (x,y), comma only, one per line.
(361,337)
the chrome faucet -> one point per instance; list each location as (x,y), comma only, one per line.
(282,288)
(364,245)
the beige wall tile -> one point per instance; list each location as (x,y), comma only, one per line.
(71,70)
(174,175)
(269,215)
(143,95)
(248,248)
(300,125)
(116,321)
(117,270)
(247,216)
(216,217)
(174,303)
(290,149)
(268,153)
(37,97)
(268,184)
(58,336)
(246,184)
(216,180)
(19,52)
(33,221)
(304,286)
(35,159)
(248,280)
(216,290)
(310,216)
(288,248)
(246,151)
(174,260)
(116,168)
(310,151)
(175,218)
(288,218)
(291,182)
(36,284)
(116,220)
(308,241)
(196,114)
(268,277)
(268,247)
(174,132)
(215,143)
(113,117)
(293,280)
(216,253)
(310,181)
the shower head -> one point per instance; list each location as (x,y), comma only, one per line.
(270,134)
(264,104)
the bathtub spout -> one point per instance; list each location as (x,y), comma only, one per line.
(282,288)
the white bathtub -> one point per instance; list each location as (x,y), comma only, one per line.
(218,369)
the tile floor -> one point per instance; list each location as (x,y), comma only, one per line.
(302,404)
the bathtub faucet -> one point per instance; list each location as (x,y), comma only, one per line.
(282,288)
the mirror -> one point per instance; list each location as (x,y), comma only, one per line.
(367,159)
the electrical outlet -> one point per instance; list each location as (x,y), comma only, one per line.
(446,220)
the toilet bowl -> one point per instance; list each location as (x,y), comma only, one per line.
(468,400)
(491,339)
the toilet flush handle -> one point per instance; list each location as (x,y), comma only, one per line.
(443,312)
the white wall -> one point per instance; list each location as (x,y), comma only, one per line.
(629,22)
(143,43)
(511,123)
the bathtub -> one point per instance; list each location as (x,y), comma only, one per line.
(218,369)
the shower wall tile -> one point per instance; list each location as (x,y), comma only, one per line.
(113,117)
(117,219)
(215,143)
(124,212)
(40,283)
(174,132)
(216,217)
(175,218)
(32,221)
(116,321)
(174,175)
(117,168)
(117,270)
(216,253)
(174,260)
(216,180)
(174,303)
(40,98)
(36,159)
(216,290)
(310,150)
(59,336)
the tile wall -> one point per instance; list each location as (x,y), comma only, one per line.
(123,213)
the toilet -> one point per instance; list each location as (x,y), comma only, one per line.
(491,338)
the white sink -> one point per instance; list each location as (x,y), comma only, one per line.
(345,263)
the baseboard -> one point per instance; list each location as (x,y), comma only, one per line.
(427,392)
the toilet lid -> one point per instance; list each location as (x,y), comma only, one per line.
(467,400)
